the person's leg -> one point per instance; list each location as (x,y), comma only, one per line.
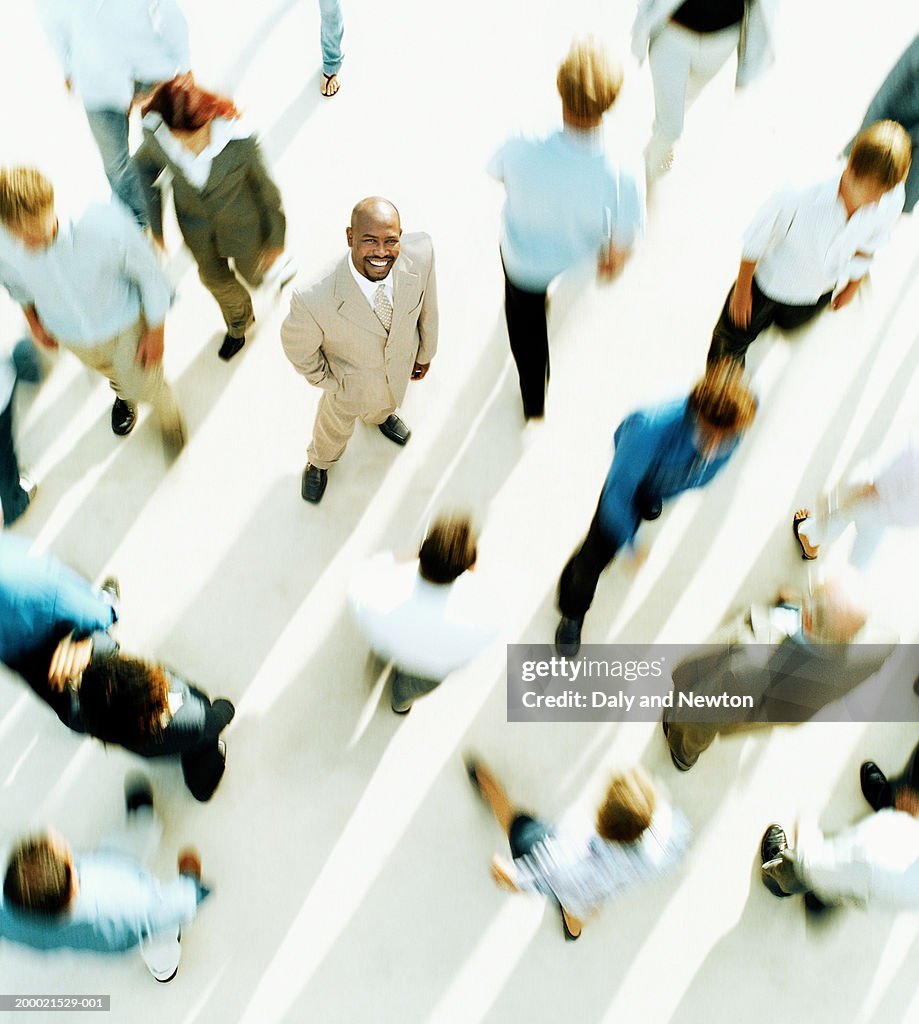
(709,55)
(13,499)
(669,57)
(789,318)
(780,875)
(729,340)
(579,578)
(406,689)
(331,432)
(135,383)
(688,740)
(330,35)
(231,296)
(110,130)
(528,333)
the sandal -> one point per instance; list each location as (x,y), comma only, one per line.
(326,87)
(799,517)
(569,934)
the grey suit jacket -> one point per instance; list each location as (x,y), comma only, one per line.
(789,680)
(239,209)
(334,338)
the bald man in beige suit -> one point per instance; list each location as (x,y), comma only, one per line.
(362,332)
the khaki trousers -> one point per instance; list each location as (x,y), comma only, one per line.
(131,382)
(690,739)
(220,280)
(335,422)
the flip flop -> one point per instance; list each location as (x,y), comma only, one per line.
(569,934)
(325,85)
(796,522)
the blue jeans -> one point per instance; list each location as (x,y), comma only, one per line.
(110,130)
(333,28)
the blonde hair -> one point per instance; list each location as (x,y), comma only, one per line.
(25,193)
(629,806)
(883,152)
(722,399)
(588,80)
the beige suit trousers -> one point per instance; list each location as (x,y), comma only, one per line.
(335,422)
(133,383)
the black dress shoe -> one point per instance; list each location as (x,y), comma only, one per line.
(313,484)
(875,787)
(224,711)
(124,416)
(395,430)
(650,507)
(137,793)
(568,637)
(230,347)
(814,905)
(774,841)
(681,766)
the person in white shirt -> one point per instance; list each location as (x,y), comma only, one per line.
(889,497)
(812,247)
(94,286)
(874,863)
(423,614)
(111,52)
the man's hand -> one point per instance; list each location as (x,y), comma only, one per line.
(190,862)
(419,370)
(844,297)
(70,658)
(501,873)
(150,347)
(68,84)
(741,308)
(41,336)
(610,262)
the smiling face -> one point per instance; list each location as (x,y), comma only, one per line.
(374,239)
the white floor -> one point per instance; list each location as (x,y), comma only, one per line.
(349,857)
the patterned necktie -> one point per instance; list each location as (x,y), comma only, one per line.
(382,307)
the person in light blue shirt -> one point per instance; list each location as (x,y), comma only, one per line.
(660,452)
(566,202)
(105,901)
(94,286)
(111,52)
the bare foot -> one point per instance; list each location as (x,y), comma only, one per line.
(808,551)
(330,84)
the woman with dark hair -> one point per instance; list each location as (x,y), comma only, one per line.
(150,711)
(226,203)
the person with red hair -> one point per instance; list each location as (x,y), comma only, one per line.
(226,203)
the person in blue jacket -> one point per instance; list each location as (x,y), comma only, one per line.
(660,452)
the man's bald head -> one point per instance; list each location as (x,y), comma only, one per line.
(375,208)
(373,237)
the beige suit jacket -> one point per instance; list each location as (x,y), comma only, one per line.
(334,338)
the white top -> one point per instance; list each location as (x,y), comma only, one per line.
(92,282)
(874,861)
(897,484)
(804,245)
(196,167)
(425,629)
(105,46)
(368,287)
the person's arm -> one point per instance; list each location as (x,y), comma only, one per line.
(139,265)
(883,218)
(495,166)
(55,18)
(41,336)
(635,453)
(268,198)
(170,25)
(625,224)
(742,299)
(428,322)
(898,85)
(302,338)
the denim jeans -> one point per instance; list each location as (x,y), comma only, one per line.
(110,130)
(330,34)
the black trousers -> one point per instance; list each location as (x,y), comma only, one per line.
(730,340)
(578,582)
(529,337)
(13,499)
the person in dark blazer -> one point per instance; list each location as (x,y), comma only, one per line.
(226,203)
(898,100)
(792,659)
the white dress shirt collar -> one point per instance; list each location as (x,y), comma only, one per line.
(368,287)
(196,167)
